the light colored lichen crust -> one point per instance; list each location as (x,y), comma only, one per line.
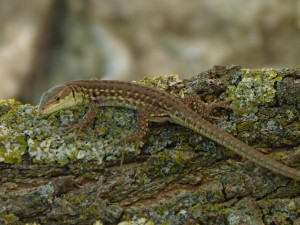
(12,142)
(22,128)
(254,88)
(170,83)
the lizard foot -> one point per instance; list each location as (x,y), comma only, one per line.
(205,109)
(133,138)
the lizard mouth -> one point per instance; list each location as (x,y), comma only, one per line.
(43,111)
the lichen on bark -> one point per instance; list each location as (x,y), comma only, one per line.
(177,177)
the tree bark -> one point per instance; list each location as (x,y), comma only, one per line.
(176,176)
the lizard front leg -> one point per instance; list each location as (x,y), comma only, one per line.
(86,120)
(145,115)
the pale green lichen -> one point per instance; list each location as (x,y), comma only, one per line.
(165,83)
(7,105)
(255,88)
(21,128)
(9,219)
(12,145)
(57,149)
(139,221)
(280,210)
(98,223)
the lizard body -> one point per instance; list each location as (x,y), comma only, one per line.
(153,105)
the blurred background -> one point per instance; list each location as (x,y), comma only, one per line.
(47,42)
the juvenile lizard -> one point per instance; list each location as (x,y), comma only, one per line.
(153,105)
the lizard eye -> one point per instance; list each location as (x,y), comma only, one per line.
(57,98)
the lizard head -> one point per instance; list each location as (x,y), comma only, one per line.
(57,98)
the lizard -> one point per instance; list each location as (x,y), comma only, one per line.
(152,105)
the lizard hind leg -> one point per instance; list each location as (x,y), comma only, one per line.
(135,138)
(86,120)
(205,109)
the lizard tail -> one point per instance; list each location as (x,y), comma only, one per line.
(216,134)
